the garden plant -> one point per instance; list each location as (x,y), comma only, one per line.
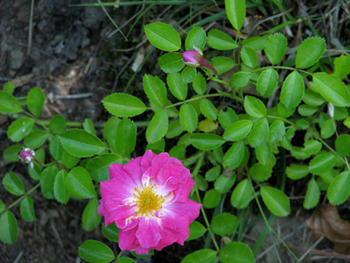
(212,149)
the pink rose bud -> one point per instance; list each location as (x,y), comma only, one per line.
(27,156)
(192,58)
(147,199)
(195,59)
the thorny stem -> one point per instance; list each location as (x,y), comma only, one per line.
(198,98)
(195,172)
(20,199)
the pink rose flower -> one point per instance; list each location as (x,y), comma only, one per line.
(147,198)
(195,59)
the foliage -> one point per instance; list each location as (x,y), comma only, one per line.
(199,123)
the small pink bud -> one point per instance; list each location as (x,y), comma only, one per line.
(195,59)
(27,156)
(192,58)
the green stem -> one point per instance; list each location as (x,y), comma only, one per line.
(198,98)
(20,199)
(195,172)
(283,67)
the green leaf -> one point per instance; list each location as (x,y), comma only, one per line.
(339,189)
(307,110)
(9,87)
(95,251)
(224,224)
(235,11)
(312,147)
(60,190)
(275,48)
(2,206)
(332,89)
(302,124)
(220,40)
(9,228)
(98,167)
(208,109)
(263,153)
(188,74)
(199,84)
(157,127)
(312,98)
(171,62)
(196,230)
(20,128)
(285,112)
(174,129)
(163,36)
(267,82)
(206,141)
(197,37)
(123,105)
(176,86)
(327,129)
(227,118)
(309,52)
(36,101)
(277,131)
(111,232)
(125,260)
(150,253)
(56,148)
(224,183)
(254,107)
(241,79)
(89,126)
(81,143)
(36,172)
(69,161)
(249,57)
(312,196)
(322,163)
(155,90)
(342,66)
(238,130)
(8,103)
(13,184)
(35,139)
(259,134)
(292,90)
(236,252)
(275,200)
(126,136)
(212,173)
(211,198)
(260,173)
(11,153)
(201,256)
(47,181)
(188,117)
(257,42)
(222,64)
(342,145)
(79,183)
(242,194)
(27,209)
(234,156)
(91,218)
(57,124)
(296,171)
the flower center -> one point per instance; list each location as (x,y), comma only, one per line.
(147,199)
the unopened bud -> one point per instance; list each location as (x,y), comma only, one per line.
(27,156)
(192,58)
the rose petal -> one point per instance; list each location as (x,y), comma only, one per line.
(149,232)
(146,160)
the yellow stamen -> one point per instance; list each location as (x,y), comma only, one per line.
(147,200)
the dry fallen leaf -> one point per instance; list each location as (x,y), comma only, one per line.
(325,221)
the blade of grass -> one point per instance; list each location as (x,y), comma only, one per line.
(109,17)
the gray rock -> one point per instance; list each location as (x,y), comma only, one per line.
(16,58)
